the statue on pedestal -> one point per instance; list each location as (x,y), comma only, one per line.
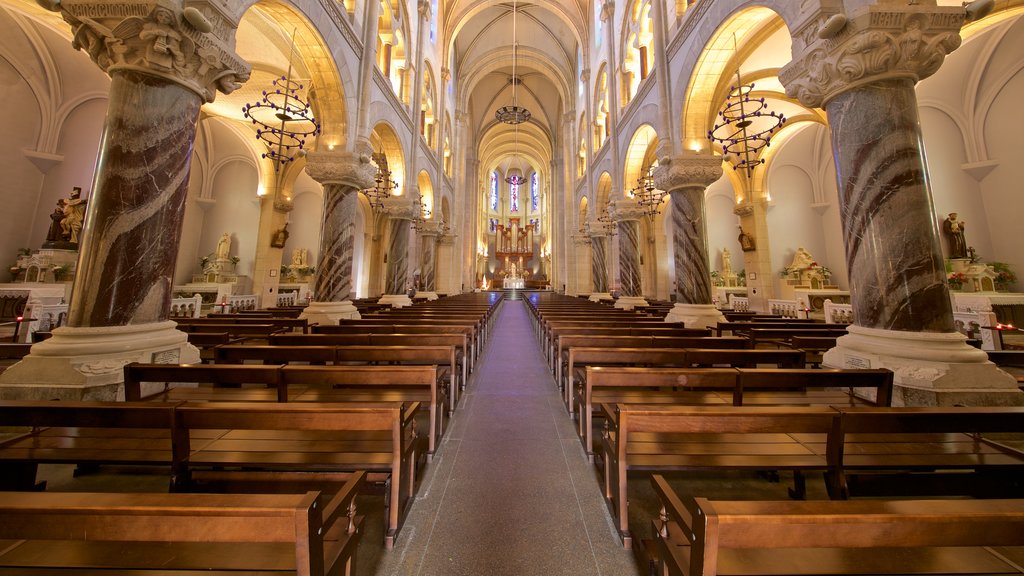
(223,247)
(73,209)
(801,260)
(55,234)
(726,262)
(954,228)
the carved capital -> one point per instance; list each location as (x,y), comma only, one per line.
(675,173)
(607,10)
(429,227)
(625,210)
(581,239)
(585,75)
(399,208)
(878,42)
(353,169)
(423,7)
(745,209)
(190,46)
(446,74)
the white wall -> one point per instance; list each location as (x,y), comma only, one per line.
(304,222)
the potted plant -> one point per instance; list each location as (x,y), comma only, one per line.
(1004,276)
(956,280)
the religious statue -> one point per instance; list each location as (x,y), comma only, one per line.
(955,230)
(74,212)
(801,260)
(164,48)
(746,241)
(298,257)
(54,234)
(726,261)
(223,247)
(280,237)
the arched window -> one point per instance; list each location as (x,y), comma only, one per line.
(494,191)
(601,109)
(638,50)
(534,193)
(428,121)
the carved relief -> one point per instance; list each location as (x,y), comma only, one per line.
(876,44)
(687,171)
(353,169)
(151,36)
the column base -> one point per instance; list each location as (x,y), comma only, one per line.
(329,313)
(395,300)
(630,302)
(428,295)
(599,296)
(930,369)
(87,363)
(695,315)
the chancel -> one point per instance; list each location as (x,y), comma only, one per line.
(512,287)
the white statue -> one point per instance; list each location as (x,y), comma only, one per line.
(726,261)
(299,257)
(801,260)
(224,246)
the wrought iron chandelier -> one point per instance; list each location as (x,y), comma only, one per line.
(605,223)
(746,127)
(285,138)
(422,214)
(513,113)
(647,194)
(384,186)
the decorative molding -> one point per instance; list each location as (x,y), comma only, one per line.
(879,42)
(153,37)
(353,169)
(979,170)
(626,210)
(399,208)
(43,161)
(745,209)
(687,170)
(331,7)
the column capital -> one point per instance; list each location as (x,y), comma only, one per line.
(833,52)
(581,239)
(399,208)
(423,7)
(626,210)
(190,46)
(446,73)
(348,168)
(429,227)
(687,170)
(585,75)
(607,10)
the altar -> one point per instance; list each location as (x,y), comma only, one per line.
(1007,307)
(815,298)
(517,283)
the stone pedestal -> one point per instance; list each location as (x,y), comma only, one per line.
(930,368)
(87,363)
(329,313)
(599,296)
(395,300)
(695,315)
(630,302)
(431,295)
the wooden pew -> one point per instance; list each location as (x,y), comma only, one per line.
(803,324)
(303,534)
(784,336)
(814,346)
(11,353)
(286,324)
(702,537)
(298,384)
(300,442)
(660,438)
(475,339)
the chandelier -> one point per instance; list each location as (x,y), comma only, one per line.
(384,186)
(286,137)
(746,127)
(422,214)
(605,223)
(514,113)
(647,194)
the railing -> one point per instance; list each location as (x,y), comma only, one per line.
(979,325)
(238,303)
(838,313)
(288,298)
(739,303)
(187,307)
(785,308)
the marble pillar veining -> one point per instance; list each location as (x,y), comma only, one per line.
(428,264)
(334,268)
(397,278)
(599,268)
(133,224)
(629,258)
(893,254)
(689,236)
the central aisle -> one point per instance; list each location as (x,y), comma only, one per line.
(509,491)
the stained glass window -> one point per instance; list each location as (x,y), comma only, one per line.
(494,191)
(513,197)
(534,194)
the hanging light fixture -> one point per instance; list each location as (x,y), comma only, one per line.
(422,214)
(606,223)
(746,126)
(384,186)
(513,113)
(647,194)
(283,118)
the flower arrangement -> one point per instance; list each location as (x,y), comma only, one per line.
(741,278)
(1004,276)
(14,270)
(956,280)
(59,272)
(786,272)
(235,260)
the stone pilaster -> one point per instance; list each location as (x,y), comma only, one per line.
(164,63)
(627,215)
(401,211)
(864,76)
(599,266)
(428,232)
(582,262)
(685,177)
(342,174)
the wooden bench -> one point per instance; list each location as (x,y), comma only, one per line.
(662,438)
(287,324)
(303,534)
(742,326)
(702,537)
(282,383)
(300,443)
(784,336)
(10,353)
(814,346)
(605,386)
(474,339)
(555,346)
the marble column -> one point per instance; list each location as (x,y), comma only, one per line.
(164,65)
(342,174)
(401,211)
(428,232)
(864,76)
(685,177)
(627,214)
(599,266)
(582,259)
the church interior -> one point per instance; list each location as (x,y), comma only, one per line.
(512,287)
